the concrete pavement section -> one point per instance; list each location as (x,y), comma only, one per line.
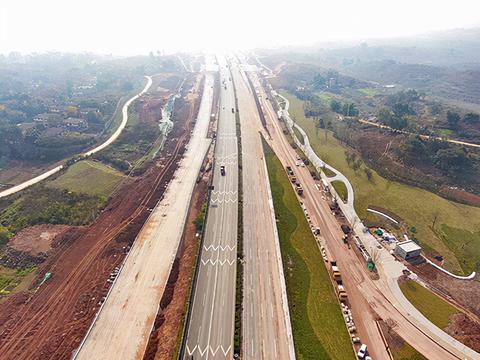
(266,326)
(123,325)
(211,326)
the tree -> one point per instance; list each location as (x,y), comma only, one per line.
(471,118)
(127,86)
(93,117)
(453,118)
(349,109)
(357,164)
(318,82)
(389,118)
(453,161)
(336,106)
(368,173)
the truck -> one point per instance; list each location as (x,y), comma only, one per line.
(340,290)
(346,229)
(335,270)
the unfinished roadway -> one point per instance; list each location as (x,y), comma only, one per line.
(123,325)
(370,300)
(266,325)
(211,324)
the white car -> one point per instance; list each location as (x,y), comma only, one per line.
(362,351)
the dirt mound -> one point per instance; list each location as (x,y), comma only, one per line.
(37,239)
(465,330)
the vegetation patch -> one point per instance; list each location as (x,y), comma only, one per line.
(137,140)
(299,136)
(89,177)
(45,205)
(464,244)
(328,172)
(434,308)
(419,208)
(341,189)
(11,278)
(318,328)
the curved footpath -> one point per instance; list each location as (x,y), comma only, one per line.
(115,135)
(390,269)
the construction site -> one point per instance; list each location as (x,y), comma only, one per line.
(51,318)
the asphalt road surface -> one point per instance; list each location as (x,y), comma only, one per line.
(211,327)
(123,325)
(266,322)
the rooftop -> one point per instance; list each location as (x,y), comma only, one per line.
(409,245)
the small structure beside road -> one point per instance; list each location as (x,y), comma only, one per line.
(408,250)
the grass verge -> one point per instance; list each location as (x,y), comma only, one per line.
(89,177)
(434,308)
(420,208)
(237,334)
(341,189)
(318,328)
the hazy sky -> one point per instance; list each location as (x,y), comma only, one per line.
(129,27)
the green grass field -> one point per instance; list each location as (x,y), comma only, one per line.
(406,352)
(419,208)
(318,328)
(341,189)
(90,177)
(429,304)
(299,136)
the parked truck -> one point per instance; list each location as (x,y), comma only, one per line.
(340,289)
(335,271)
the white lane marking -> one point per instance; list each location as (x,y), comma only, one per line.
(225,352)
(215,262)
(222,248)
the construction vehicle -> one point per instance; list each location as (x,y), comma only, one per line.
(335,271)
(340,289)
(346,229)
(222,170)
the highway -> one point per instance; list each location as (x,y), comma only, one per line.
(266,326)
(369,299)
(115,135)
(123,324)
(211,326)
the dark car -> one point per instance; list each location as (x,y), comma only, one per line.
(222,170)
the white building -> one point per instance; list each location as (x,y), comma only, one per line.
(408,249)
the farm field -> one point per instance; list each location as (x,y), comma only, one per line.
(90,177)
(442,226)
(318,328)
